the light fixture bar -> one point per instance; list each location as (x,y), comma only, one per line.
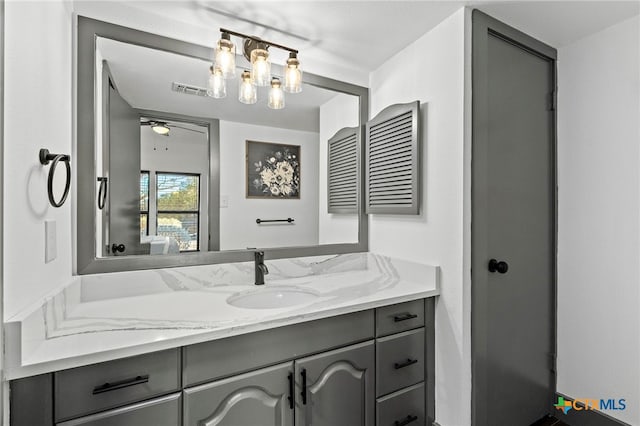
(258,39)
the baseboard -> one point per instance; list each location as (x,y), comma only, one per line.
(586,417)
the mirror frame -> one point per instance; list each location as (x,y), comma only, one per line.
(85,259)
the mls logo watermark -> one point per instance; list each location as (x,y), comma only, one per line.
(587,404)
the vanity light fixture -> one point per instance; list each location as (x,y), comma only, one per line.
(217,87)
(225,55)
(247,93)
(260,65)
(276,96)
(293,74)
(256,51)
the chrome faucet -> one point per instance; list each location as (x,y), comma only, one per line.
(260,267)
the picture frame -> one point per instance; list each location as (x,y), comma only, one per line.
(272,170)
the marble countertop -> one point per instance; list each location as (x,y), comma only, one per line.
(107,316)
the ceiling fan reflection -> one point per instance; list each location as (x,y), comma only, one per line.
(163,128)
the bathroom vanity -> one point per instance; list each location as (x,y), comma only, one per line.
(359,351)
(341,337)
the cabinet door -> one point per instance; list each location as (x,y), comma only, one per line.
(335,388)
(258,398)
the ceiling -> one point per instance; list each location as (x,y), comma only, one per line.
(345,40)
(349,39)
(559,23)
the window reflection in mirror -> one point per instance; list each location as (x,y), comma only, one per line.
(155,141)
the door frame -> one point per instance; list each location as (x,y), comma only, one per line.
(484,26)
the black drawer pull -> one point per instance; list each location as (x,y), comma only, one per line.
(405,421)
(290,397)
(407,363)
(303,374)
(404,317)
(108,387)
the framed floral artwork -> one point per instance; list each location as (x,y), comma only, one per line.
(273,170)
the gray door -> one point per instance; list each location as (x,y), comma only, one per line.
(336,388)
(124,175)
(258,398)
(513,225)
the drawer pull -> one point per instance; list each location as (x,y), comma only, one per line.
(404,317)
(405,421)
(408,362)
(108,387)
(303,374)
(290,397)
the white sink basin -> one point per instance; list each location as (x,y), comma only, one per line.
(272,298)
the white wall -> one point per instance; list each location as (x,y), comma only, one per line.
(238,227)
(182,151)
(432,70)
(599,218)
(339,112)
(37,115)
(3,386)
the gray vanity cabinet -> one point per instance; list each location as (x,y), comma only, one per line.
(366,368)
(260,398)
(336,388)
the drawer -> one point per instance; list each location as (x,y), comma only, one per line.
(85,390)
(399,361)
(405,407)
(163,411)
(400,317)
(247,352)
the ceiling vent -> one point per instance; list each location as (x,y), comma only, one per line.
(188,89)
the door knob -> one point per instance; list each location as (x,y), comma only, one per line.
(115,248)
(498,266)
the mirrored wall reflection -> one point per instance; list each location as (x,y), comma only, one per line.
(174,186)
(190,173)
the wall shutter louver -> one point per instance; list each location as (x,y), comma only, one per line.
(393,161)
(343,171)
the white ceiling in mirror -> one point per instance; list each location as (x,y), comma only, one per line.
(144,77)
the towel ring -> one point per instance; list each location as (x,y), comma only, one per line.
(45,157)
(102,192)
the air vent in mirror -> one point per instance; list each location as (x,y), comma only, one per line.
(188,89)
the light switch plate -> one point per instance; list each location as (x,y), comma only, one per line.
(50,241)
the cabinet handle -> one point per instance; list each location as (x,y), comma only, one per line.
(108,387)
(405,421)
(290,397)
(404,317)
(303,374)
(408,362)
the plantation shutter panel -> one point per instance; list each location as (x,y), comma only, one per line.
(392,162)
(343,171)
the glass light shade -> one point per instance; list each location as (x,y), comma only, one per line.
(160,128)
(276,95)
(292,74)
(226,56)
(260,67)
(247,93)
(217,87)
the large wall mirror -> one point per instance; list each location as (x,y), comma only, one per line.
(169,176)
